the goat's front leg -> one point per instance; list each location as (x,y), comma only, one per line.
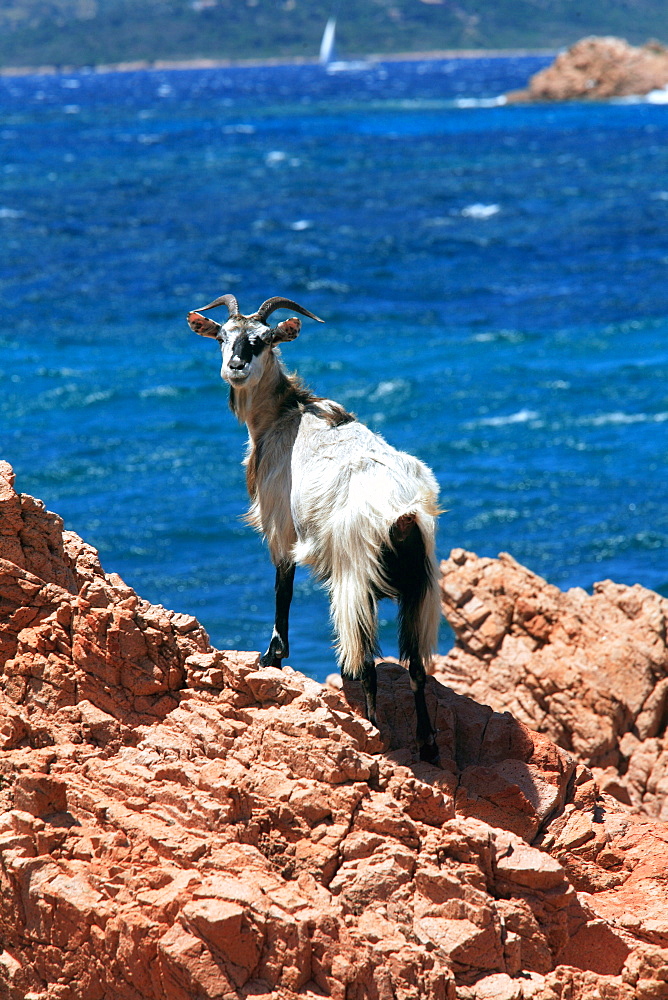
(279,647)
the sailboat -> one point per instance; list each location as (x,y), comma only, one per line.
(327,57)
(328,43)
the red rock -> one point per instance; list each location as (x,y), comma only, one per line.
(181,823)
(40,794)
(590,671)
(596,947)
(526,866)
(598,68)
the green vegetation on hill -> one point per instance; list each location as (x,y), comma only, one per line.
(89,32)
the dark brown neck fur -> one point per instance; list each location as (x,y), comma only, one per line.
(289,395)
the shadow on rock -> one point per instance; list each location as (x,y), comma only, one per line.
(491,766)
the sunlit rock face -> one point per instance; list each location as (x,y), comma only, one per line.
(598,69)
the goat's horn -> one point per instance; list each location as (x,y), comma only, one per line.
(271,305)
(224,300)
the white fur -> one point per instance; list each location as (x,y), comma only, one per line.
(349,486)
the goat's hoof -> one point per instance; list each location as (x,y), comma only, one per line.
(277,652)
(269,660)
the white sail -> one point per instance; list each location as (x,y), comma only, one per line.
(327,43)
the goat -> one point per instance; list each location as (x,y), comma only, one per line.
(329,493)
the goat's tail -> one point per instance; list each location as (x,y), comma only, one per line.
(359,571)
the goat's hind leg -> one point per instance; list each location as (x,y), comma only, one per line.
(425,735)
(409,649)
(279,647)
(369,683)
(410,573)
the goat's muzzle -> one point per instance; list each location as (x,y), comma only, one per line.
(236,370)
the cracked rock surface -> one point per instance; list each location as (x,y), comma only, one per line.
(589,671)
(178,823)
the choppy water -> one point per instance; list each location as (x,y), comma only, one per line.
(493,280)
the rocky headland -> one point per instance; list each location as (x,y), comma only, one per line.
(177,823)
(598,68)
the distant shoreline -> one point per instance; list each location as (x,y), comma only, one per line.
(184,64)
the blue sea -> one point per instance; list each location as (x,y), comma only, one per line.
(493,280)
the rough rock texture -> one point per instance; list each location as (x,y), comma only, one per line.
(179,824)
(590,671)
(596,69)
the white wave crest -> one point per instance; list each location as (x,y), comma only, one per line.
(657,96)
(97,397)
(275,156)
(520,417)
(159,390)
(480,211)
(480,102)
(618,417)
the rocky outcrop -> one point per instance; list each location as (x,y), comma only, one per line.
(590,671)
(69,633)
(597,69)
(179,823)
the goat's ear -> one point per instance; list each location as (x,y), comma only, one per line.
(202,325)
(287,330)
